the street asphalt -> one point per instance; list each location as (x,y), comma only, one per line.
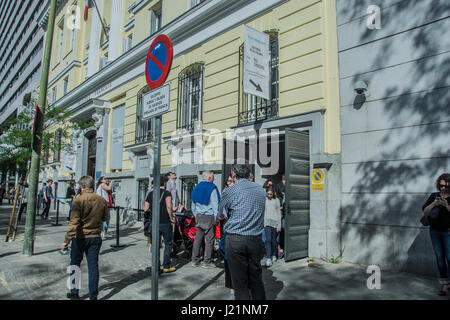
(125,273)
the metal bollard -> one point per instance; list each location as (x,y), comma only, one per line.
(117,245)
(56,224)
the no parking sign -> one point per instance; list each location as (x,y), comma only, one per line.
(317,179)
(159,61)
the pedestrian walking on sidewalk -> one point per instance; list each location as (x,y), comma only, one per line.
(23,205)
(245,203)
(2,192)
(104,189)
(272,225)
(166,219)
(205,202)
(89,211)
(438,210)
(47,196)
(70,195)
(12,194)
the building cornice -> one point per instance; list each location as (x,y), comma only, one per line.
(140,5)
(188,31)
(62,73)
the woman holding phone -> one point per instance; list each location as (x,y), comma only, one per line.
(438,210)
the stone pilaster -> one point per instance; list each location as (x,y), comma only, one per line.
(94,40)
(116,29)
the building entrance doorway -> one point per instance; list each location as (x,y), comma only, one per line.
(291,154)
(91,136)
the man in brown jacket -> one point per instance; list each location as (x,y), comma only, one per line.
(88,213)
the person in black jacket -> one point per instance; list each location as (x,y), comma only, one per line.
(70,195)
(438,210)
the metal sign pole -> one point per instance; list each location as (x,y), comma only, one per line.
(155,206)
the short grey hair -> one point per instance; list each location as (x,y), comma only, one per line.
(241,171)
(87,182)
(207,174)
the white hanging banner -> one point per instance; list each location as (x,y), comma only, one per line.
(256,63)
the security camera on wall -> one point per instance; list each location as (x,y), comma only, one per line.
(362,92)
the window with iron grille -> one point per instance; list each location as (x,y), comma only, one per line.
(144,128)
(253,108)
(190,96)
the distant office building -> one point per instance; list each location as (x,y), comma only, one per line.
(21,44)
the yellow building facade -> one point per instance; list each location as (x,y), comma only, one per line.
(97,71)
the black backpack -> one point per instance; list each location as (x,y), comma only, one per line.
(148,220)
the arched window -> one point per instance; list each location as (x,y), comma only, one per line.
(190,96)
(144,128)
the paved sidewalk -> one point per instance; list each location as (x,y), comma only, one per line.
(125,273)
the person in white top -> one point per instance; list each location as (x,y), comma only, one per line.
(272,225)
(104,188)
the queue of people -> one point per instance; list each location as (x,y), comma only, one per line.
(252,219)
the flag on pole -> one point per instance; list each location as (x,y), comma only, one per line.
(89,4)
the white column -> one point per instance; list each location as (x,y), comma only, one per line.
(115,39)
(94,39)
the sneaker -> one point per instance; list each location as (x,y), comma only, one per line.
(168,270)
(195,264)
(73,296)
(274,258)
(208,265)
(102,234)
(280,254)
(269,262)
(108,235)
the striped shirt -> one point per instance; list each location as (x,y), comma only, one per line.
(245,202)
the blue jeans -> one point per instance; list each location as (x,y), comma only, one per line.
(90,247)
(441,246)
(106,223)
(165,230)
(271,242)
(70,207)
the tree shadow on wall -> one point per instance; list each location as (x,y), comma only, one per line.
(395,181)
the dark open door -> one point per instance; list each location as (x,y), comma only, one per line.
(297,194)
(232,155)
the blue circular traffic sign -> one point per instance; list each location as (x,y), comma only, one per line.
(159,61)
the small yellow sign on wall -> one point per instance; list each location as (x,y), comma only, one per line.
(317,180)
(317,187)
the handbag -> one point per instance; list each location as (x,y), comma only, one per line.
(425,220)
(148,220)
(430,216)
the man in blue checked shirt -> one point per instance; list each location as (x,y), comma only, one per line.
(245,203)
(205,200)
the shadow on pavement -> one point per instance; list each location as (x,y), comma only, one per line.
(8,254)
(206,285)
(272,286)
(112,249)
(118,286)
